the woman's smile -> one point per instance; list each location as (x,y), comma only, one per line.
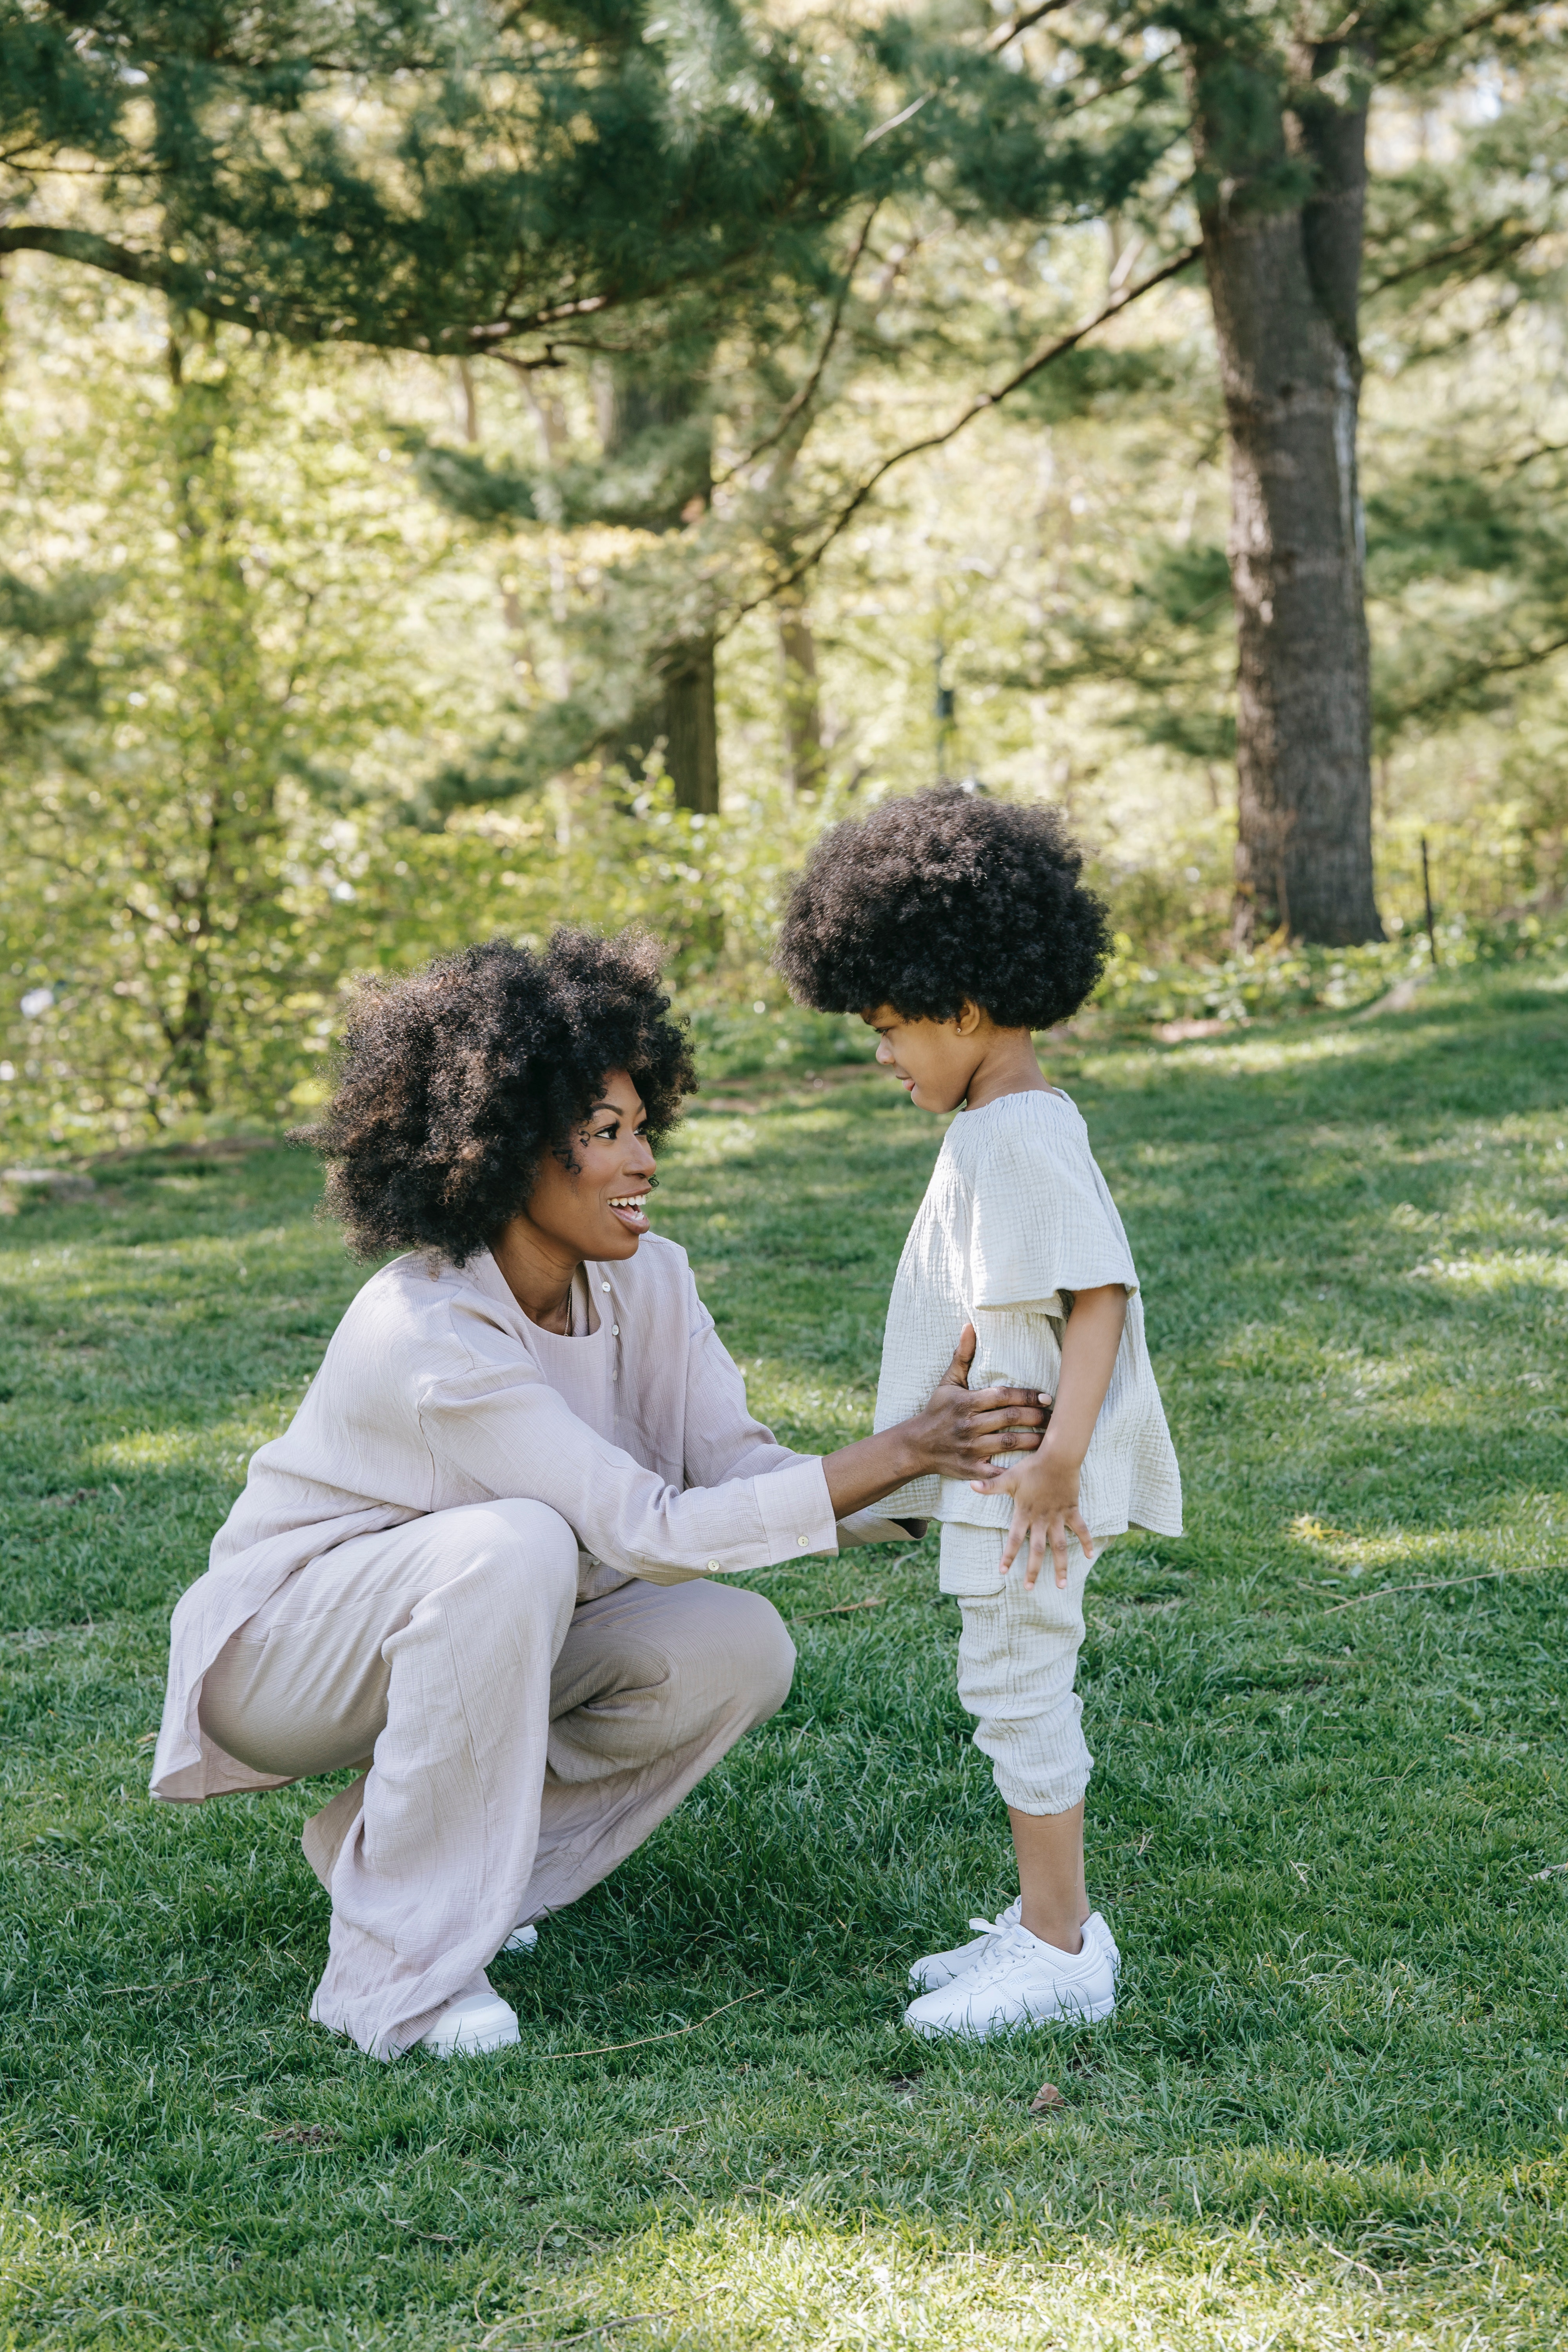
(631,1212)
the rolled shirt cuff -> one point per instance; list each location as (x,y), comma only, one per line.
(797,1511)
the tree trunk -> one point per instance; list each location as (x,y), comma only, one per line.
(683,712)
(690,727)
(1283,279)
(802,705)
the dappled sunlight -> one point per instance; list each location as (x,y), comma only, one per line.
(228,1445)
(1495,1270)
(1167,2277)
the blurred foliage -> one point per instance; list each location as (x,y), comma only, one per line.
(312,661)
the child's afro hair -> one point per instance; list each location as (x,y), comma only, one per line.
(939,898)
(454,1082)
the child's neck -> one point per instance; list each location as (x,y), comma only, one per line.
(1006,1066)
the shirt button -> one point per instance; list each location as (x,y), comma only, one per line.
(603,1286)
(615,1331)
(800,1539)
(714,1563)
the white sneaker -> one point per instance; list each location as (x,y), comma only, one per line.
(1019,1980)
(522,1939)
(472,2022)
(1095,1925)
(940,1968)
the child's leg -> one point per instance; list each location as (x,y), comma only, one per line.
(1017,1660)
(1049,1847)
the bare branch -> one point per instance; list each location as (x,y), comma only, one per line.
(1007,34)
(1425,53)
(983,401)
(799,400)
(1512,241)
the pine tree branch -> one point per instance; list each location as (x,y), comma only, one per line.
(1474,674)
(1426,53)
(982,402)
(82,245)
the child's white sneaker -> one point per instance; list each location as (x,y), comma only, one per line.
(1018,1981)
(940,1968)
(522,1939)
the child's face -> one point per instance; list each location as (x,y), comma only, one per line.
(934,1061)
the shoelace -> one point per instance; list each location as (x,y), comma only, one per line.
(997,1926)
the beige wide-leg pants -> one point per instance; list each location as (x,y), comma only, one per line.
(520,1744)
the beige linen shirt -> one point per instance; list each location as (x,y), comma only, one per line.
(1017,1218)
(436,1391)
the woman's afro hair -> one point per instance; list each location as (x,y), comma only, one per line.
(938,898)
(454,1082)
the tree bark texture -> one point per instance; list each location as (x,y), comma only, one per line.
(802,702)
(682,713)
(1283,278)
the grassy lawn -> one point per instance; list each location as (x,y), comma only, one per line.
(1326,1821)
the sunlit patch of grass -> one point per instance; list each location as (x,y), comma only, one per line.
(1497,1270)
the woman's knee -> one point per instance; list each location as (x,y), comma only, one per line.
(510,1555)
(763,1657)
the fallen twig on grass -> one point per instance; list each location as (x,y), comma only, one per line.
(1428,1584)
(607,2049)
(842,1609)
(177,1984)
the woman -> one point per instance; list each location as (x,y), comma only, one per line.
(473,1565)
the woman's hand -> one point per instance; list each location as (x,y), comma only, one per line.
(957,1436)
(962,1429)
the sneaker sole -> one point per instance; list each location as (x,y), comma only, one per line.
(475,2046)
(1092,2012)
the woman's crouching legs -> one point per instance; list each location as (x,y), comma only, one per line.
(653,1685)
(430,1647)
(521,1746)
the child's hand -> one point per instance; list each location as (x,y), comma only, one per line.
(1045,1511)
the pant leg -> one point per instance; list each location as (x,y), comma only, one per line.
(447,1630)
(374,1646)
(1017,1659)
(654,1683)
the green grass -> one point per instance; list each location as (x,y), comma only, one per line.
(1332,2108)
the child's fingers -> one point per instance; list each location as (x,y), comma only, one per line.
(1060,1549)
(1000,1482)
(1037,1555)
(1075,1520)
(1014,1538)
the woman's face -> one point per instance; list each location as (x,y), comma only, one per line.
(596,1211)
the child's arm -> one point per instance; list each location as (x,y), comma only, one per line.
(1045,1487)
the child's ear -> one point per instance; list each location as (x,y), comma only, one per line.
(970,1016)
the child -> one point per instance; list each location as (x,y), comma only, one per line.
(954,926)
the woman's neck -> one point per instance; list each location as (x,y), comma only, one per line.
(539,1271)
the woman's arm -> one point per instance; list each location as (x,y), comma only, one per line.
(487,1414)
(956,1436)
